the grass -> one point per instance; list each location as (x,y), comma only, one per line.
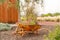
(55,34)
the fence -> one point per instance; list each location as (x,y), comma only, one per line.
(8,11)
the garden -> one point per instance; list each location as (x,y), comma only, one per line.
(19,20)
(52,33)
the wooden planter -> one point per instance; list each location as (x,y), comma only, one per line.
(8,11)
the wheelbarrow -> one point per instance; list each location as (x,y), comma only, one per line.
(24,29)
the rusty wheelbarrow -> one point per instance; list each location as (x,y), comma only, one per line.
(24,29)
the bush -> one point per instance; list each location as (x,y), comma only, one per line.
(4,26)
(55,34)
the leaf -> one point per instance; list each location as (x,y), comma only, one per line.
(4,27)
(2,1)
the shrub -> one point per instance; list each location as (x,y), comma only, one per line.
(55,34)
(4,26)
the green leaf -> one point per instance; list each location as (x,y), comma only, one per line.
(2,1)
(4,26)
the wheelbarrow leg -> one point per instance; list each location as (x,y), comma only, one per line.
(36,32)
(22,33)
(16,31)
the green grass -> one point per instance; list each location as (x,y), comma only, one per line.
(55,34)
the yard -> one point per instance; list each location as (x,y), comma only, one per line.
(7,35)
(26,12)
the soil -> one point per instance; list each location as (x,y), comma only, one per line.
(7,35)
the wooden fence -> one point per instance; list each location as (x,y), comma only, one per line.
(8,11)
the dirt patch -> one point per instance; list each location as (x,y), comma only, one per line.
(7,35)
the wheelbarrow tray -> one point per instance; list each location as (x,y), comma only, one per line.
(27,28)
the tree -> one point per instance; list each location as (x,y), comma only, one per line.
(56,14)
(30,15)
(48,14)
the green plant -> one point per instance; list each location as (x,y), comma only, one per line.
(50,14)
(56,14)
(57,37)
(55,34)
(4,26)
(2,1)
(45,15)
